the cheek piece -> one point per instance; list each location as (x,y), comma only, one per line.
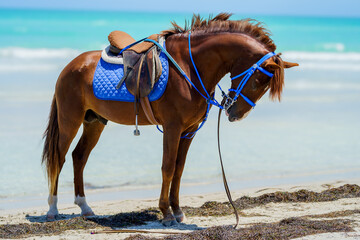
(247,74)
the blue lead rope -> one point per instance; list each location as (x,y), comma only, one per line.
(209,99)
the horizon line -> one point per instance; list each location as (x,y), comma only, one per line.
(176,12)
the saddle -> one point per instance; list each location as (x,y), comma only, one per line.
(142,69)
(142,66)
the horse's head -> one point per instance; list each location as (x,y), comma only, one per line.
(256,86)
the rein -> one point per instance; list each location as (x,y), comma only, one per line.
(227,190)
(226,103)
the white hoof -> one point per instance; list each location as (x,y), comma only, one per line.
(85,209)
(53,212)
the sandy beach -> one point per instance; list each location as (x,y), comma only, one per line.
(345,208)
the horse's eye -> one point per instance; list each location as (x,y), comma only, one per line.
(255,84)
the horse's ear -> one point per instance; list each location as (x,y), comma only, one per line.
(270,64)
(290,64)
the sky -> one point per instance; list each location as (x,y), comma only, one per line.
(331,8)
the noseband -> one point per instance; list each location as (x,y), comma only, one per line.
(248,73)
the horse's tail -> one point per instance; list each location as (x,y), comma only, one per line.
(50,156)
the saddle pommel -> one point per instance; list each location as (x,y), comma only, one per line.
(120,40)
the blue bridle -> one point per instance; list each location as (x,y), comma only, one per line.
(248,73)
(210,99)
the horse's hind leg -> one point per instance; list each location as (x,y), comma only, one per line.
(87,142)
(61,131)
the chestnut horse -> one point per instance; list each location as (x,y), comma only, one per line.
(218,46)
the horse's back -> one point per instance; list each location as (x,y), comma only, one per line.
(78,72)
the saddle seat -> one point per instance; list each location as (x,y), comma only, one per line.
(119,40)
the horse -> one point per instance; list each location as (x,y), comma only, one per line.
(218,46)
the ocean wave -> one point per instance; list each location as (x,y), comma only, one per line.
(37,53)
(353,67)
(332,61)
(46,53)
(305,84)
(334,46)
(322,56)
(14,59)
(28,67)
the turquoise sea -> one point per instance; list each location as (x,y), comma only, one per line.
(312,135)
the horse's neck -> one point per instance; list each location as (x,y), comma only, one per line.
(215,55)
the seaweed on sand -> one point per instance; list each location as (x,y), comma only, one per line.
(285,229)
(289,227)
(57,227)
(212,208)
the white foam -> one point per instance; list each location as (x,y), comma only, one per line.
(340,47)
(37,53)
(322,56)
(28,67)
(354,67)
(332,61)
(308,85)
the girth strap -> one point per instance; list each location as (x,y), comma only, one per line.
(146,106)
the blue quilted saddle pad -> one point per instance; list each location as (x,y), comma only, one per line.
(108,75)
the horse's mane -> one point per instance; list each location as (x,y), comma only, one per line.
(222,24)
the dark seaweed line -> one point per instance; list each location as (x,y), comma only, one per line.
(207,209)
(286,229)
(212,208)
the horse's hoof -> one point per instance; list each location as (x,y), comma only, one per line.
(88,214)
(52,217)
(169,223)
(180,217)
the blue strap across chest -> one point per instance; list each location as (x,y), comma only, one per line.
(108,75)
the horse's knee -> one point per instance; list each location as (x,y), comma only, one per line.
(168,169)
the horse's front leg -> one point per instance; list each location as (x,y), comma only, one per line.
(175,184)
(170,147)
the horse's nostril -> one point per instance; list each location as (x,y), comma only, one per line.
(233,119)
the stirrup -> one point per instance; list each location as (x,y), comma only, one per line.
(136,131)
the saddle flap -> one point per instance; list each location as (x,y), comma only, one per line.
(144,74)
(130,59)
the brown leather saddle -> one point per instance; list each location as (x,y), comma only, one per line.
(142,69)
